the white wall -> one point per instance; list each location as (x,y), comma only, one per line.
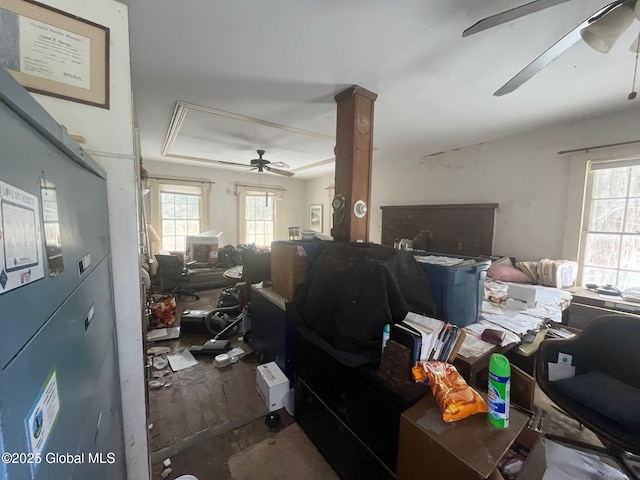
(109,135)
(523,174)
(223,208)
(317,194)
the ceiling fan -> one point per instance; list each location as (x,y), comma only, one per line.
(600,31)
(260,164)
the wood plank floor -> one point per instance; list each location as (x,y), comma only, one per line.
(206,415)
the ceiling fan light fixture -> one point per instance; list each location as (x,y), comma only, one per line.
(602,34)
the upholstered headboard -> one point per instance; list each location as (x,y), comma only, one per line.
(459,229)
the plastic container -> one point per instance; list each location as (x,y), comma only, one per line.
(223,360)
(457,290)
(294,233)
(499,391)
(386,332)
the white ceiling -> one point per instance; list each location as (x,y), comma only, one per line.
(263,74)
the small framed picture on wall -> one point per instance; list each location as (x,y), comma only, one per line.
(315,218)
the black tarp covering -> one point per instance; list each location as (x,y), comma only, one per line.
(354,289)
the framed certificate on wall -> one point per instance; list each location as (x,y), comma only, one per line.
(55,53)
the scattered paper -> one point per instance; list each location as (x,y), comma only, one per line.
(182,360)
(439,260)
(558,371)
(158,350)
(479,327)
(163,334)
(564,463)
(560,333)
(473,347)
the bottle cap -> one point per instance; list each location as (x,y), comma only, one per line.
(499,365)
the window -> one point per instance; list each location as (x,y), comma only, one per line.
(181,214)
(257,214)
(259,218)
(610,239)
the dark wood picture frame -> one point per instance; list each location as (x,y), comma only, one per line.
(55,53)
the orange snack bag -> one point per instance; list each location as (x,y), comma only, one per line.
(456,399)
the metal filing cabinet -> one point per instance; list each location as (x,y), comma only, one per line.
(59,380)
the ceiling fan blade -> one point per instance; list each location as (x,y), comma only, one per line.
(248,171)
(204,160)
(511,14)
(279,164)
(552,53)
(278,171)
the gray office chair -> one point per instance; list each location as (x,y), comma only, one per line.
(604,395)
(172,271)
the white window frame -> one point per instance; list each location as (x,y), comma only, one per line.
(177,185)
(576,194)
(275,194)
(592,167)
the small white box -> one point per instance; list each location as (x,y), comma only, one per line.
(272,384)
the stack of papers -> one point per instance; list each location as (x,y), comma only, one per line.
(444,261)
(550,302)
(560,333)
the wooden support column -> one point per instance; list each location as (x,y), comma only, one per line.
(354,145)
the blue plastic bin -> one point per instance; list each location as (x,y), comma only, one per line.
(457,290)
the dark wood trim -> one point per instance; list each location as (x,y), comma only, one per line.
(447,205)
(457,229)
(355,90)
(354,146)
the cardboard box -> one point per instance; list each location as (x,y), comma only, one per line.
(288,268)
(272,385)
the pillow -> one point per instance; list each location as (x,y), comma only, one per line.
(606,394)
(507,273)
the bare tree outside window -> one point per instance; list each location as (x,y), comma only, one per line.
(610,246)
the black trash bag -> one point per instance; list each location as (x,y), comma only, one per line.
(228,257)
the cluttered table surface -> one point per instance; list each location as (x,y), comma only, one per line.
(521,326)
(521,322)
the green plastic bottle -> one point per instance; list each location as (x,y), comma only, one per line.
(499,390)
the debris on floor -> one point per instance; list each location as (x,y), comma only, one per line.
(158,350)
(159,363)
(182,360)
